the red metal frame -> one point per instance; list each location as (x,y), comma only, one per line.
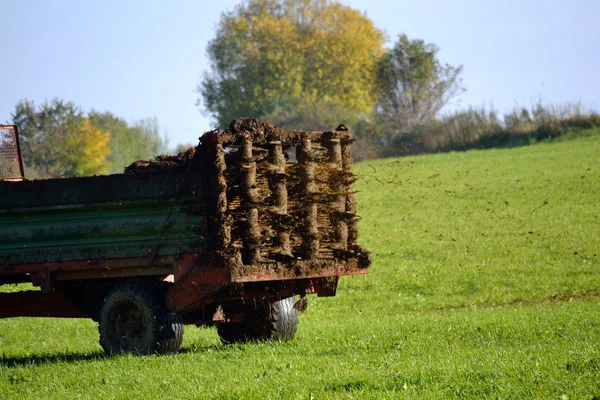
(195,283)
(44,274)
(262,272)
(18,143)
(15,129)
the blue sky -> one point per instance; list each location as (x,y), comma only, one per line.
(141,59)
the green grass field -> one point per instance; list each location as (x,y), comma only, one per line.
(485,284)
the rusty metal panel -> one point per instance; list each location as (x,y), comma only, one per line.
(299,270)
(197,287)
(11,163)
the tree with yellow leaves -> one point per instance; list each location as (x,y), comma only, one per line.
(57,140)
(87,148)
(272,54)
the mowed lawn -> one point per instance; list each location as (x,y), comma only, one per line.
(485,284)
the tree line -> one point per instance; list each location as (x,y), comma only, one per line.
(301,64)
(58,139)
(311,64)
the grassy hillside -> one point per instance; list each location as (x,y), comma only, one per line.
(485,227)
(485,283)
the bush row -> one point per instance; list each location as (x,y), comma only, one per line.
(477,128)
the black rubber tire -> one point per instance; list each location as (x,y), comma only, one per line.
(134,319)
(233,333)
(275,320)
(282,322)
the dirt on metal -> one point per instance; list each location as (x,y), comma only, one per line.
(161,162)
(282,199)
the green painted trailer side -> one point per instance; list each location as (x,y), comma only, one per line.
(158,213)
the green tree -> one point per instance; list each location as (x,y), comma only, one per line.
(45,135)
(141,141)
(152,142)
(58,140)
(123,149)
(301,114)
(411,85)
(268,54)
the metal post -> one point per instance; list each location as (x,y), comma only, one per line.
(280,196)
(338,190)
(224,224)
(249,199)
(310,238)
(350,200)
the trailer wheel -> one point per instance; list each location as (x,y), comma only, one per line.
(276,320)
(134,319)
(231,333)
(282,322)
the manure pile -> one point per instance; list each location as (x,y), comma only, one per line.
(275,196)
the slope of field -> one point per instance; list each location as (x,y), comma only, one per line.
(484,227)
(485,284)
